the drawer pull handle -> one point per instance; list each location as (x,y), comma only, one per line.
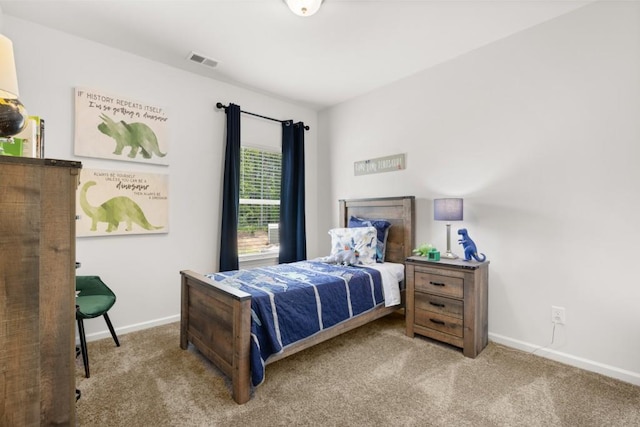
(437,283)
(439,322)
(435,304)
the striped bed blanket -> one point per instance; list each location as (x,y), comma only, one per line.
(294,301)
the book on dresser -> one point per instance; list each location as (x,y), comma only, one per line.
(30,139)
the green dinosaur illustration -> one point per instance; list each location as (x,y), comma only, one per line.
(138,136)
(114,211)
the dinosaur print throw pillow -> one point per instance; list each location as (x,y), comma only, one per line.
(361,240)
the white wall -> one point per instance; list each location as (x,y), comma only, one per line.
(143,270)
(540,134)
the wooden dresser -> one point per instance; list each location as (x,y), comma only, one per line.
(37,291)
(447,301)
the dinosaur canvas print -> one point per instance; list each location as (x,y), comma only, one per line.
(118,202)
(117,128)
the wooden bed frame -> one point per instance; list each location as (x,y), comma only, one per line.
(216,318)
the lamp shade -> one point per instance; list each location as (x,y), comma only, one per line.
(304,7)
(8,78)
(447,209)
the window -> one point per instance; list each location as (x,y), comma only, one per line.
(260,171)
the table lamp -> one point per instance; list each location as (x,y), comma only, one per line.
(448,210)
(13,116)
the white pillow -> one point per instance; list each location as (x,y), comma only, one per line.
(362,240)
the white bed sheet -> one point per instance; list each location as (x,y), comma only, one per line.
(392,274)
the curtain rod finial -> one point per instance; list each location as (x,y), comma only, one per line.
(219,105)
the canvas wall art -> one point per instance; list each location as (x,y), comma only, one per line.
(121,203)
(117,128)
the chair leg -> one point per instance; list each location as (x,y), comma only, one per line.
(113,332)
(83,347)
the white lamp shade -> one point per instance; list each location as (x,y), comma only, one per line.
(304,7)
(447,209)
(8,78)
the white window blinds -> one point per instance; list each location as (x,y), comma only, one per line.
(260,172)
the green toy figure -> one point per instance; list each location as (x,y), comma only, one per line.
(423,250)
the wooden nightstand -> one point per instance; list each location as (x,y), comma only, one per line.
(447,301)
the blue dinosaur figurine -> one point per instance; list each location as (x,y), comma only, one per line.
(470,250)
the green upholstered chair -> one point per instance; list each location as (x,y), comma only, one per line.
(94,299)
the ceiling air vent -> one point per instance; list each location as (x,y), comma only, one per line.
(201,59)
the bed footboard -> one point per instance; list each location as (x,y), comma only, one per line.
(216,319)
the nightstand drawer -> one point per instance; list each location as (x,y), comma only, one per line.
(436,304)
(439,322)
(442,285)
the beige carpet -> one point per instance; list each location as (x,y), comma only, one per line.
(374,375)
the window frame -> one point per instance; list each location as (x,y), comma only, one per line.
(260,257)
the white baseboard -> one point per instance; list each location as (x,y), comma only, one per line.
(568,359)
(131,328)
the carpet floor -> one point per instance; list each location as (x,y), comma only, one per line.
(372,376)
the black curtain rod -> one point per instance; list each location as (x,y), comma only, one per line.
(221,106)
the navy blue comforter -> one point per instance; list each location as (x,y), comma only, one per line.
(294,301)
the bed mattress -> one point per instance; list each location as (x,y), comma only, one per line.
(291,302)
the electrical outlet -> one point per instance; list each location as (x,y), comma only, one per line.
(558,315)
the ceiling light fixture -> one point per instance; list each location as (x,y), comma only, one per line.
(304,7)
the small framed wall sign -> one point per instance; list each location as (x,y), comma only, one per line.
(381,164)
(118,128)
(113,202)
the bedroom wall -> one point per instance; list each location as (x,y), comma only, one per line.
(143,270)
(539,134)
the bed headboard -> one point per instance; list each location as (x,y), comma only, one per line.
(399,211)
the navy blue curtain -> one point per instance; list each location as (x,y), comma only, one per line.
(231,192)
(293,239)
